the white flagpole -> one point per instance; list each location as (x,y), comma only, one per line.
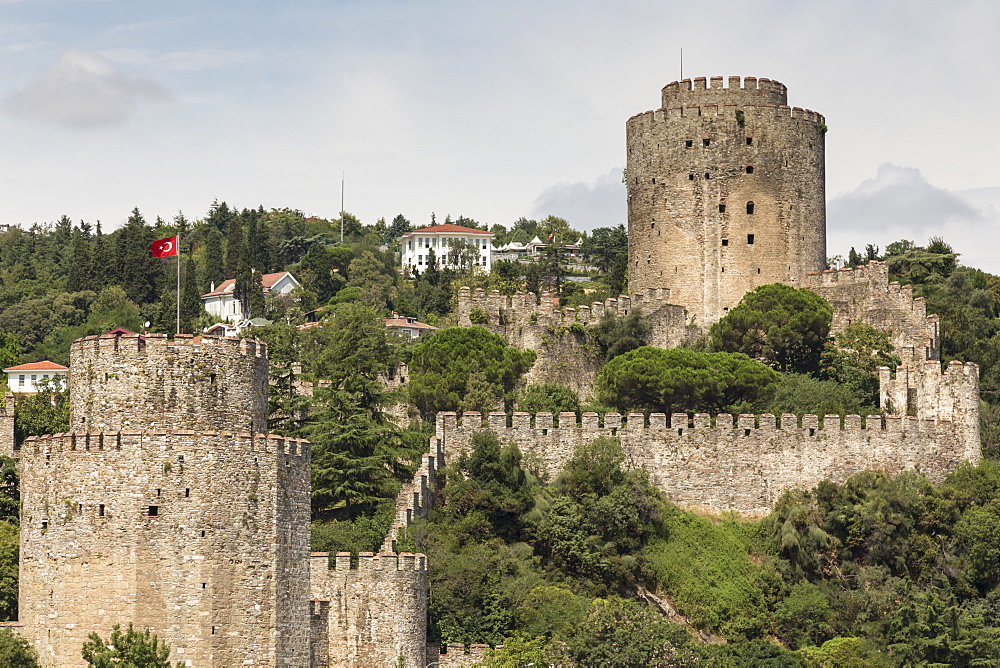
(178,283)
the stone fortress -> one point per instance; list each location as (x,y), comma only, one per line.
(170,506)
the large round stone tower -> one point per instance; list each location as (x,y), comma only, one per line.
(168,506)
(725,193)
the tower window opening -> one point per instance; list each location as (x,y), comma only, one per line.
(706,142)
(750,240)
(157,492)
(154,511)
(45,525)
(722,208)
(100,510)
(726,309)
(725,242)
(689,143)
(723,270)
(652,226)
(690,177)
(202,533)
(204,585)
(749,141)
(758,270)
(750,208)
(654,180)
(707,175)
(187,492)
(211,379)
(749,169)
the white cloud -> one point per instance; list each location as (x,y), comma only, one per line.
(586,205)
(83,89)
(899,203)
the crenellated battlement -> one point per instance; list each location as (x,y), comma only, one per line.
(368,562)
(864,294)
(416,497)
(121,381)
(455,654)
(224,442)
(733,88)
(739,463)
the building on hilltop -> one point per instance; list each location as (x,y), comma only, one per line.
(417,246)
(222,303)
(25,378)
(726,192)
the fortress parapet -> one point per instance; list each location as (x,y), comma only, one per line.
(864,294)
(748,90)
(128,381)
(740,463)
(377,607)
(456,654)
(416,497)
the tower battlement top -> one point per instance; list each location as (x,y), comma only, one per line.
(713,89)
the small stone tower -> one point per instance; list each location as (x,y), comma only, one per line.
(725,193)
(167,506)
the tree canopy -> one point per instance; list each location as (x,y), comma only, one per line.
(783,326)
(678,380)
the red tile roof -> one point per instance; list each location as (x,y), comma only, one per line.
(44,365)
(267,280)
(448,227)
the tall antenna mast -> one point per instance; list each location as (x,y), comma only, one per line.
(682,64)
(342,207)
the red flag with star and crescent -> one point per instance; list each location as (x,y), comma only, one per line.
(164,247)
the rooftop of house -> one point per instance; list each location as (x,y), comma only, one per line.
(44,365)
(403,321)
(447,228)
(227,286)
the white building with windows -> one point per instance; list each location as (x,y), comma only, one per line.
(221,302)
(25,378)
(441,239)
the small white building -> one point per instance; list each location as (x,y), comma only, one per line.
(221,302)
(417,246)
(25,378)
(409,327)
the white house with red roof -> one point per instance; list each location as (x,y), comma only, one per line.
(418,244)
(25,378)
(221,302)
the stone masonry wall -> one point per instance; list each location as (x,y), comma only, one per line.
(200,536)
(744,465)
(726,192)
(864,294)
(148,382)
(565,356)
(377,611)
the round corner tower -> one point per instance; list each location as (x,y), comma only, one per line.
(726,192)
(167,505)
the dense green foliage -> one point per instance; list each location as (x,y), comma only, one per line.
(131,649)
(465,368)
(549,398)
(781,325)
(16,652)
(678,380)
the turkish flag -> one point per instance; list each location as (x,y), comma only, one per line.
(164,247)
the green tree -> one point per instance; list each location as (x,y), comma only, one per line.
(131,649)
(853,357)
(192,307)
(15,651)
(46,412)
(138,272)
(369,273)
(679,380)
(548,398)
(440,367)
(215,268)
(607,249)
(781,325)
(616,334)
(9,553)
(10,490)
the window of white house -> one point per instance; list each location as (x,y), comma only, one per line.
(20,380)
(33,378)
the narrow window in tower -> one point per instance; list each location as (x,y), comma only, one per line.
(689,143)
(725,242)
(100,510)
(706,142)
(202,533)
(758,270)
(654,181)
(722,208)
(707,175)
(157,492)
(690,177)
(726,309)
(154,511)
(750,239)
(652,226)
(749,141)
(750,208)
(187,492)
(749,169)
(723,270)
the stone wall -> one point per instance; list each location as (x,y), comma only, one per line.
(7,445)
(567,354)
(455,654)
(726,192)
(741,465)
(864,294)
(377,613)
(200,536)
(147,382)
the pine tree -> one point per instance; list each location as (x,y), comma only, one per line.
(191,304)
(138,271)
(215,270)
(234,245)
(81,266)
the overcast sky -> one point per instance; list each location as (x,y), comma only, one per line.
(489,110)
